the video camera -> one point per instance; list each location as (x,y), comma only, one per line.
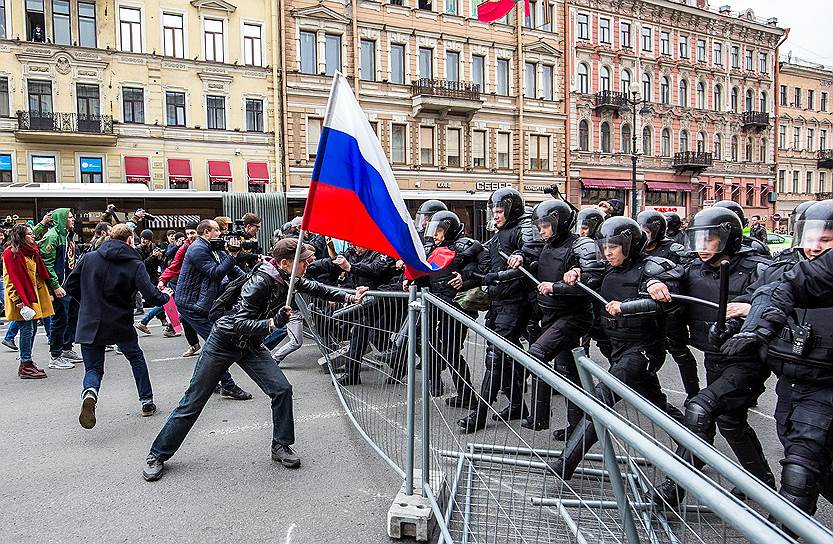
(246,241)
(9,221)
(111,210)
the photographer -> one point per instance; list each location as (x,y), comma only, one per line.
(137,218)
(242,244)
(102,234)
(153,257)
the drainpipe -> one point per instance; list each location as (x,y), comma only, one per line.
(354,20)
(776,99)
(279,71)
(568,126)
(520,89)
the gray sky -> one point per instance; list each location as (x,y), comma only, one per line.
(808,20)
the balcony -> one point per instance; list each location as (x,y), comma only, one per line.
(825,157)
(609,100)
(755,119)
(445,97)
(54,127)
(693,162)
(824,196)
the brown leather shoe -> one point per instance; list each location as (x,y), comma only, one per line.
(28,371)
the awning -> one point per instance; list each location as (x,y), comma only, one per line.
(163,221)
(606,183)
(219,172)
(257,172)
(179,170)
(136,170)
(670,186)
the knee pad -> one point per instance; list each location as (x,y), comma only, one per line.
(799,480)
(731,425)
(698,418)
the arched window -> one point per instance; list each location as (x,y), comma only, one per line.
(749,101)
(646,87)
(604,79)
(665,143)
(734,100)
(718,97)
(734,148)
(718,147)
(749,149)
(701,95)
(583,78)
(647,142)
(583,135)
(625,82)
(664,90)
(701,142)
(683,93)
(626,138)
(683,140)
(605,133)
(763,150)
(763,101)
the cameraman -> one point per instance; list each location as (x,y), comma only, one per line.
(243,244)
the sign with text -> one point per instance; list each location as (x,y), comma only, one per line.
(679,210)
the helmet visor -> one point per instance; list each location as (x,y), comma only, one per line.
(433,228)
(651,230)
(609,246)
(423,219)
(587,226)
(813,234)
(710,239)
(546,224)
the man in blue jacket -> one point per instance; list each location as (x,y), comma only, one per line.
(200,282)
(103,282)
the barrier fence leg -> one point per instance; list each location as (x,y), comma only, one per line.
(413,312)
(426,396)
(611,465)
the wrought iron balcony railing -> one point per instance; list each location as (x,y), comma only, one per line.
(755,119)
(65,122)
(825,157)
(610,99)
(692,160)
(445,88)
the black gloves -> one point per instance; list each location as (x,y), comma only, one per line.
(491,278)
(745,342)
(719,336)
(282,317)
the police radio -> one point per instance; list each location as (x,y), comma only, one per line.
(801,339)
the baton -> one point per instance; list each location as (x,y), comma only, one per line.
(724,295)
(580,285)
(692,300)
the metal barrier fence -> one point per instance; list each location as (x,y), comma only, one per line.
(491,482)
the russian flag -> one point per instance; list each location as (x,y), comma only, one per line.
(353,194)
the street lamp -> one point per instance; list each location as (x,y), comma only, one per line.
(629,105)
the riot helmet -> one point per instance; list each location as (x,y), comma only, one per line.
(673,223)
(445,222)
(735,207)
(653,224)
(510,201)
(620,232)
(557,214)
(713,232)
(796,216)
(588,222)
(426,210)
(814,229)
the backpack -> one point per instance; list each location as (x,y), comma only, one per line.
(225,302)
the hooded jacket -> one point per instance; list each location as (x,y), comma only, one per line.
(103,282)
(53,248)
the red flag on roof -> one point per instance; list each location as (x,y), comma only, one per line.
(492,10)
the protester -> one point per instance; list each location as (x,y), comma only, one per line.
(153,257)
(170,276)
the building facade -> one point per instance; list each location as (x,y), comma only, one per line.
(704,131)
(460,107)
(169,95)
(805,141)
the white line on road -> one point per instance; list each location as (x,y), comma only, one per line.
(166,359)
(289,533)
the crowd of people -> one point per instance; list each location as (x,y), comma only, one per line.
(231,298)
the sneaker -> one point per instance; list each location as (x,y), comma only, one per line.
(234,392)
(118,350)
(60,363)
(142,327)
(109,348)
(169,332)
(153,469)
(72,356)
(88,402)
(191,351)
(148,409)
(286,456)
(28,371)
(9,344)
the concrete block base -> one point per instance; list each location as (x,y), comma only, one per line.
(410,516)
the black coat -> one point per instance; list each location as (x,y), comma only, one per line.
(103,282)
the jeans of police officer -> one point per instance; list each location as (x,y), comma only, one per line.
(218,353)
(203,326)
(94,367)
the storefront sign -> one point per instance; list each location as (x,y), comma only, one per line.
(43,164)
(679,210)
(5,163)
(443,185)
(491,185)
(91,165)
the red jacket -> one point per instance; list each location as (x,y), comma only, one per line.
(172,272)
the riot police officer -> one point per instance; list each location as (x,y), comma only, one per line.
(588,222)
(566,311)
(509,311)
(427,210)
(733,384)
(758,247)
(674,227)
(631,323)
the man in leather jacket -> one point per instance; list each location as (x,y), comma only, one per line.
(237,337)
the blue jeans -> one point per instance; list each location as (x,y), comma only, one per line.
(154,312)
(218,353)
(59,326)
(27,330)
(275,338)
(94,367)
(203,326)
(11,332)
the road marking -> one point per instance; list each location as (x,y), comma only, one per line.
(763,415)
(166,359)
(289,533)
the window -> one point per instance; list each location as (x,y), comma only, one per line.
(735,56)
(665,43)
(452,147)
(91,169)
(309,53)
(214,40)
(61,32)
(823,106)
(763,101)
(452,66)
(539,152)
(397,63)
(718,147)
(625,82)
(478,148)
(88,104)
(733,101)
(647,141)
(808,186)
(529,80)
(823,139)
(252,44)
(133,105)
(664,90)
(734,149)
(647,39)
(684,140)
(749,101)
(172,35)
(717,49)
(701,51)
(451,7)
(175,108)
(783,95)
(368,66)
(782,137)
(763,64)
(718,98)
(604,78)
(583,78)
(665,142)
(763,150)
(332,54)
(398,136)
(604,30)
(546,81)
(216,109)
(797,103)
(130,29)
(683,47)
(701,142)
(426,62)
(4,97)
(782,181)
(683,95)
(254,115)
(478,71)
(313,135)
(646,87)
(40,100)
(583,135)
(624,34)
(503,77)
(426,145)
(86,24)
(748,59)
(626,138)
(605,137)
(5,162)
(3,35)
(796,139)
(701,95)
(750,195)
(822,183)
(503,150)
(811,99)
(796,178)
(35,23)
(811,139)
(583,26)
(43,168)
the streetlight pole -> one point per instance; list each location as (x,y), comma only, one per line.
(629,104)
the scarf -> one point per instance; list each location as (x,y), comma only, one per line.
(15,263)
